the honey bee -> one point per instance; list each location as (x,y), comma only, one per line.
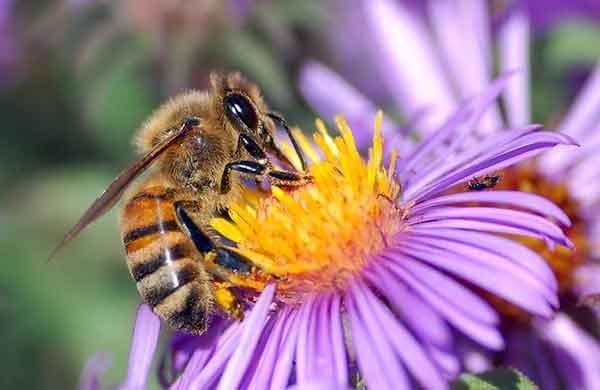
(202,145)
(487,182)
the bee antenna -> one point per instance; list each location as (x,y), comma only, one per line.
(277,118)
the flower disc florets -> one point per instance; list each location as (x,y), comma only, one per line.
(317,237)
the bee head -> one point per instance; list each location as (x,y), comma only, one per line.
(243,107)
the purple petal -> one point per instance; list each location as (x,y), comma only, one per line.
(143,345)
(199,372)
(322,362)
(566,367)
(585,111)
(534,224)
(488,164)
(462,30)
(530,296)
(409,62)
(251,331)
(518,340)
(351,43)
(500,150)
(564,160)
(330,96)
(444,285)
(94,370)
(287,351)
(562,332)
(464,119)
(474,358)
(337,342)
(446,360)
(546,376)
(451,159)
(267,335)
(305,334)
(317,356)
(321,384)
(406,346)
(419,317)
(183,346)
(376,359)
(512,251)
(514,55)
(452,311)
(581,119)
(431,330)
(584,177)
(524,200)
(482,269)
(264,364)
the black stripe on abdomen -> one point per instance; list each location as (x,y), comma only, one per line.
(167,286)
(167,226)
(142,269)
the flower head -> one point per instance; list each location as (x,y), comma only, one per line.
(354,272)
(440,40)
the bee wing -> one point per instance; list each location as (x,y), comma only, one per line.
(115,190)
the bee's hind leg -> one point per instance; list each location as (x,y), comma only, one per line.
(225,295)
(210,248)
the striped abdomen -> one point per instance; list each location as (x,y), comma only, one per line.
(170,275)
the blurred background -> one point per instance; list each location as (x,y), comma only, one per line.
(77,77)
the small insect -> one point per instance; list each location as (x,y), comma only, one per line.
(487,182)
(202,144)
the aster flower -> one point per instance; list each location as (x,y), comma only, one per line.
(455,40)
(368,270)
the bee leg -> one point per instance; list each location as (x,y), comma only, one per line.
(228,301)
(209,247)
(260,168)
(225,296)
(278,153)
(263,166)
(252,147)
(201,239)
(287,178)
(250,168)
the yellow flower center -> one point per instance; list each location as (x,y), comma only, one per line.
(319,236)
(563,261)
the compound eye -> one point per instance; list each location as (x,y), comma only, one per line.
(238,106)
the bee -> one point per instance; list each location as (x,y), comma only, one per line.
(487,182)
(202,144)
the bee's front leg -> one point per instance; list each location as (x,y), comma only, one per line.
(260,168)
